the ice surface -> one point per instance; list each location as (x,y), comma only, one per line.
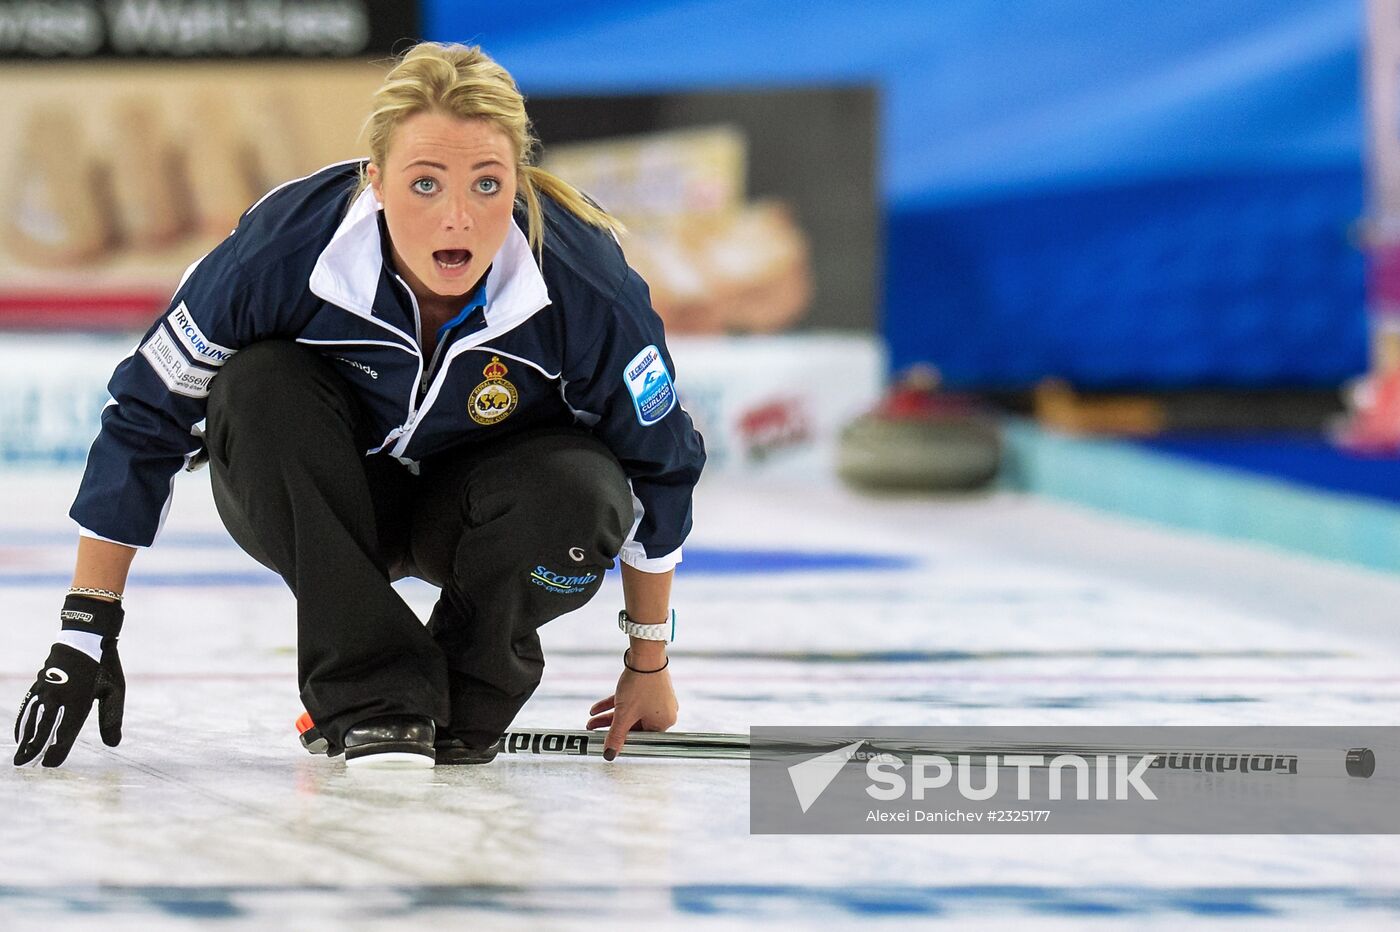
(1011,610)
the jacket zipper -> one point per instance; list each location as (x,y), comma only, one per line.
(425,380)
(431,372)
(423,370)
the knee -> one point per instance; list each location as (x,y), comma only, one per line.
(585,494)
(274,387)
(256,374)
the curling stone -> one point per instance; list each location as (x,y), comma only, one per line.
(920,440)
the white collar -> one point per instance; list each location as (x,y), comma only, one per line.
(347,271)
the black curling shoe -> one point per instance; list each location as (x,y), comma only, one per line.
(455,751)
(391,741)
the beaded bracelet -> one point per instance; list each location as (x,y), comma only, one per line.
(106,593)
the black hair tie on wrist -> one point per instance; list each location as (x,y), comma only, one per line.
(635,670)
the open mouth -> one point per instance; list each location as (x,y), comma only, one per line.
(451,258)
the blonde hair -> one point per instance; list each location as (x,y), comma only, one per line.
(465,82)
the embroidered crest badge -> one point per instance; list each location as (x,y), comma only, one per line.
(494,399)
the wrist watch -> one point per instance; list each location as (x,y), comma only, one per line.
(662,632)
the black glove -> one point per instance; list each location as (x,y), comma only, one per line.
(57,705)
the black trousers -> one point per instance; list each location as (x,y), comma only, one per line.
(515,531)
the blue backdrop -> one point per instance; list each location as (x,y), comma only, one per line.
(1120,192)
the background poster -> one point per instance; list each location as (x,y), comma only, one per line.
(747,212)
(752,210)
(140,130)
(117,176)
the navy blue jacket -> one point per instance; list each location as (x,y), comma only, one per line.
(571,339)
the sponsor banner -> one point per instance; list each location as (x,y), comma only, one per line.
(771,405)
(48,30)
(1076,780)
(52,390)
(775,405)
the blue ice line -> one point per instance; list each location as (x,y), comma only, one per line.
(698,560)
(769,901)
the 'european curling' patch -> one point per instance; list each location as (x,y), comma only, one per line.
(649,382)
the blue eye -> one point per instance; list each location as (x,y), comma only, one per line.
(488,186)
(424,186)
